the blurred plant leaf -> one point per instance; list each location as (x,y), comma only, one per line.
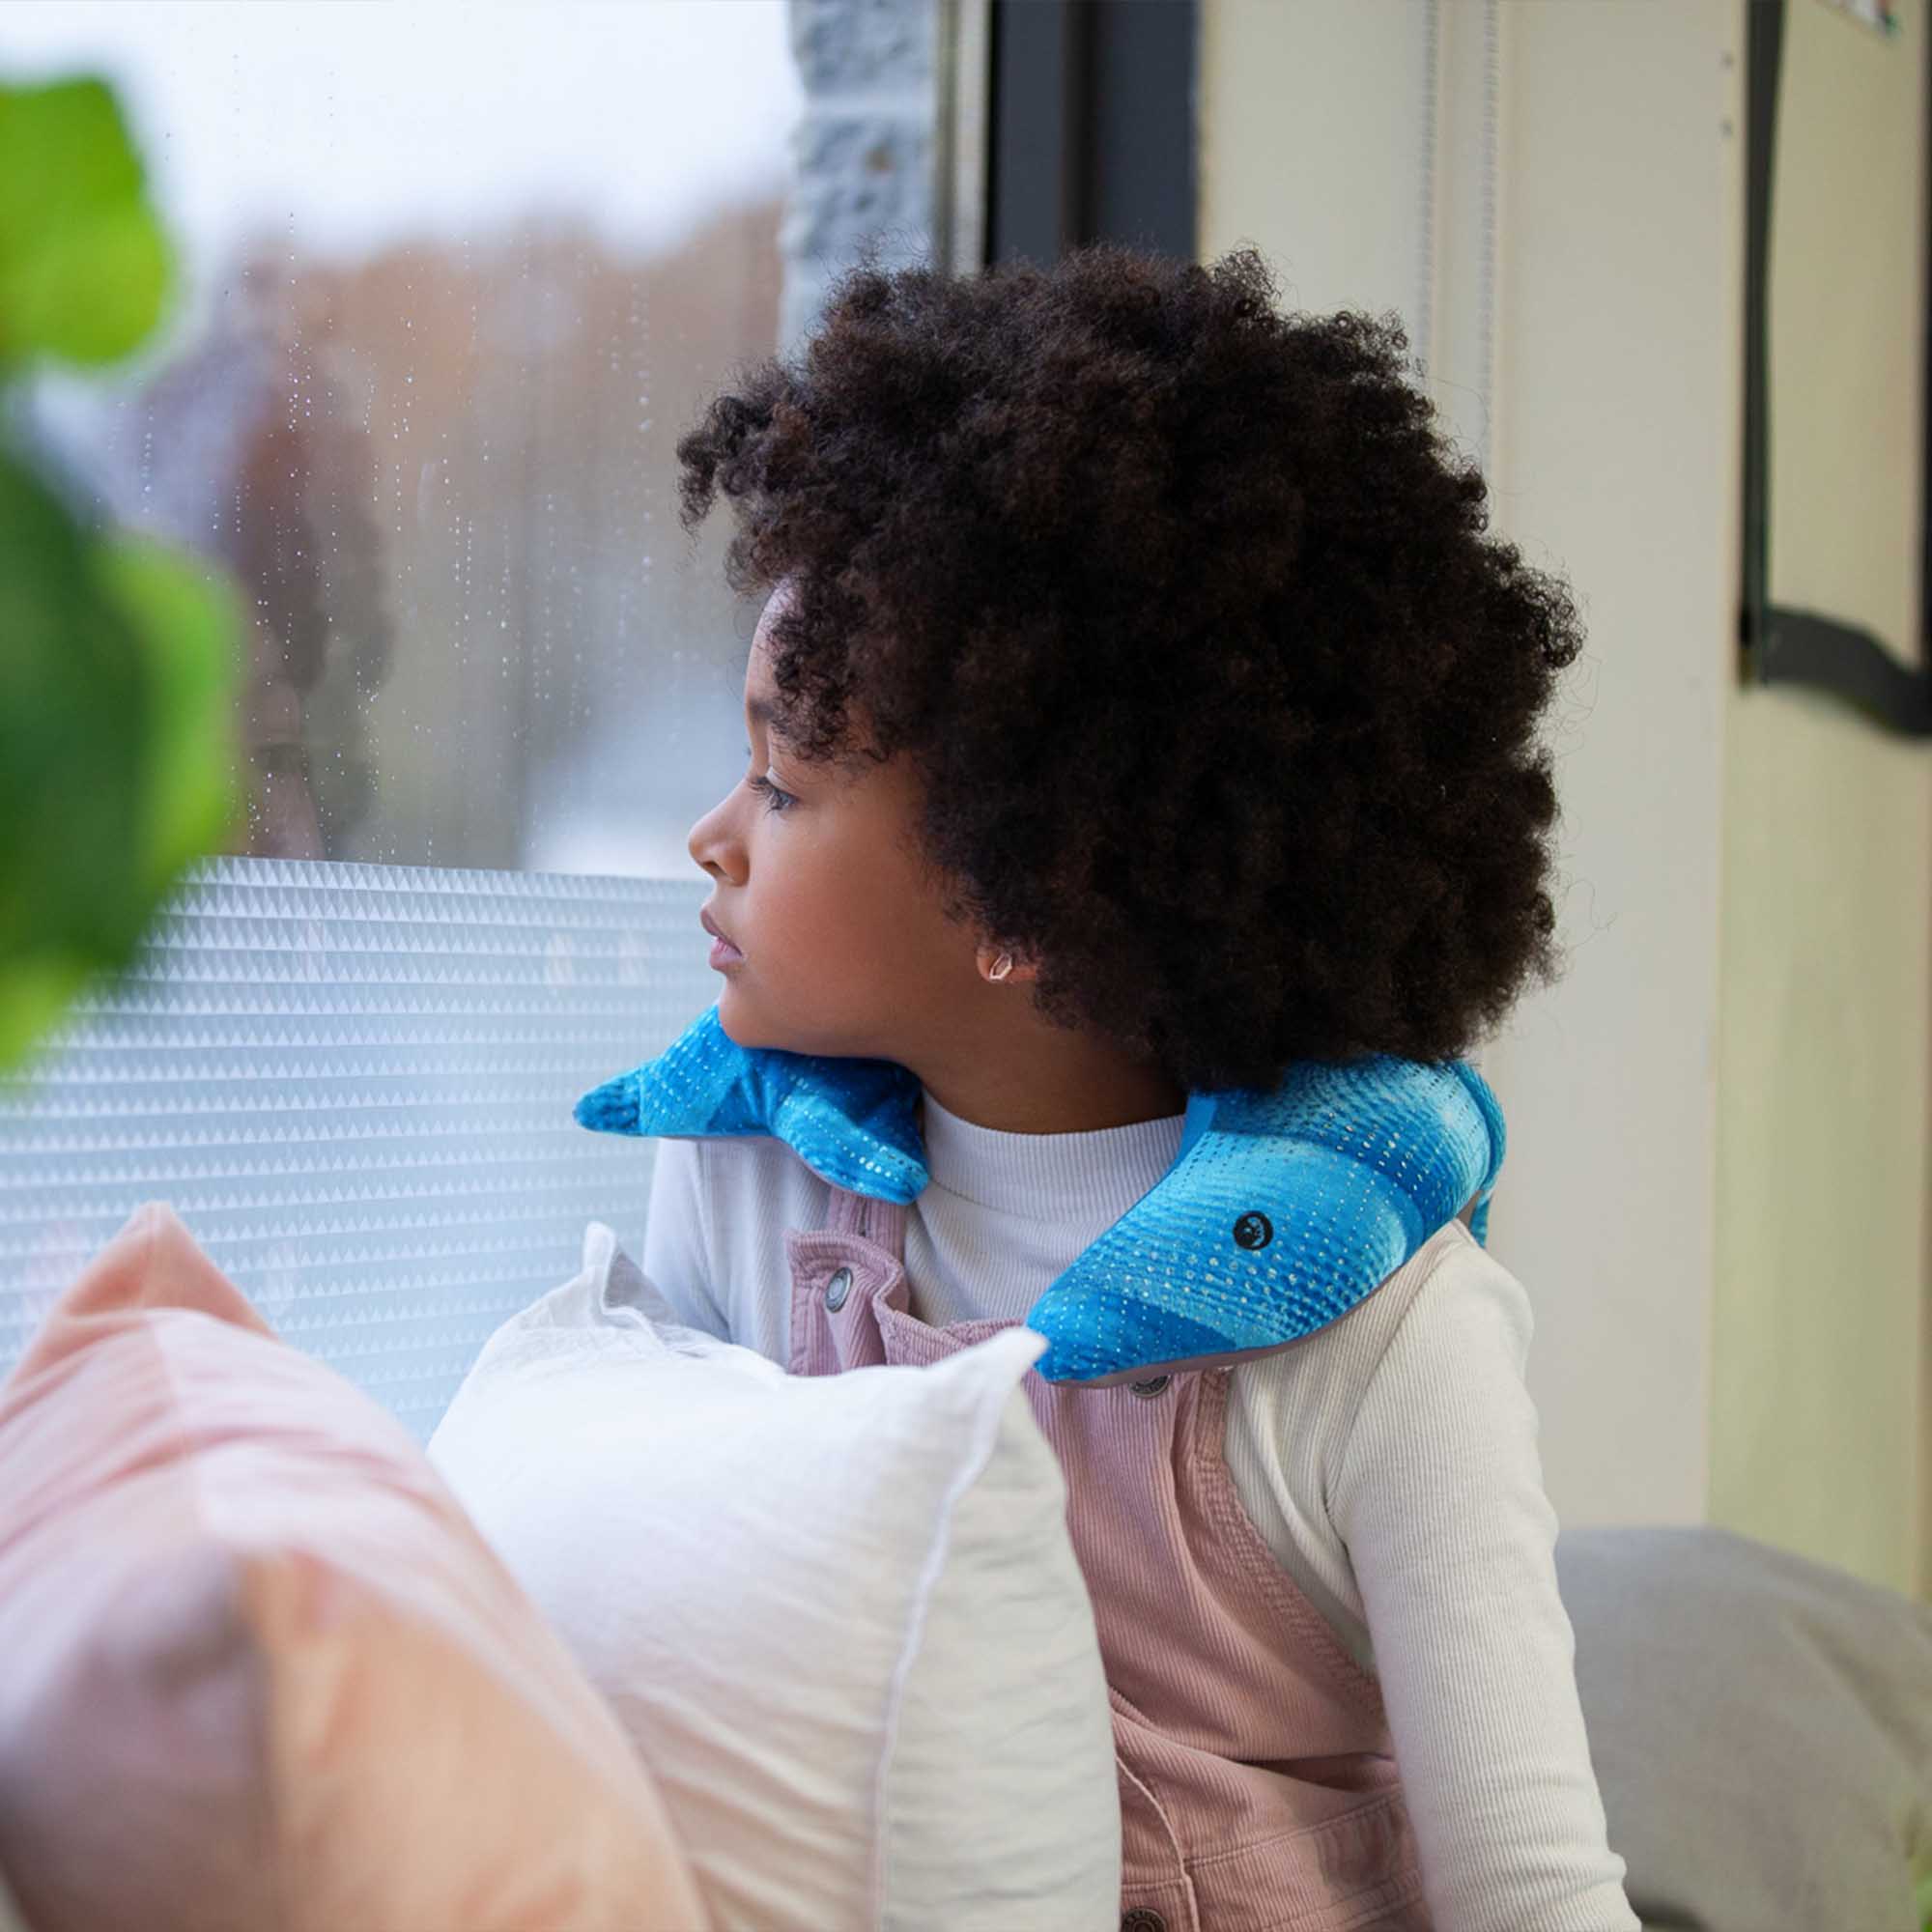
(188,618)
(74,712)
(34,994)
(85,266)
(117,662)
(119,656)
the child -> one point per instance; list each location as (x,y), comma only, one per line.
(1139,709)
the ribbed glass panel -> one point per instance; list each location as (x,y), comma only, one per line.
(354,1084)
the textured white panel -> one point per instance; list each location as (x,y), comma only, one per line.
(355,1083)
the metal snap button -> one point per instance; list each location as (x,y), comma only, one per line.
(1151,1389)
(837,1288)
(1143,1919)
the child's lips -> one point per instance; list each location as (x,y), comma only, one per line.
(724,952)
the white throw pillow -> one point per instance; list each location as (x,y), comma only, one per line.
(840,1616)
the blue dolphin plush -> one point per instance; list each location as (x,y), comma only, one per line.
(1280,1211)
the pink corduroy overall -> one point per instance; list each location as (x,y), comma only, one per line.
(1258,1777)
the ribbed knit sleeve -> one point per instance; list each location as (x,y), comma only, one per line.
(1438,1497)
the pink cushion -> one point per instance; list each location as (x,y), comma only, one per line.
(260,1670)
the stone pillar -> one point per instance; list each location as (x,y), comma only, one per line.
(863,151)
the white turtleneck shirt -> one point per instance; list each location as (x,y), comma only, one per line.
(1389,1462)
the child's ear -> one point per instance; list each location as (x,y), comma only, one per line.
(999,964)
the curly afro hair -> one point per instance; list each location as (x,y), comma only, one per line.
(1220,699)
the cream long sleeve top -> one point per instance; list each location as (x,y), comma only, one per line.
(1389,1461)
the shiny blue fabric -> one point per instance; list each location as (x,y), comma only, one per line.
(1280,1211)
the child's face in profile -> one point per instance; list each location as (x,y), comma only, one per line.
(814,880)
(820,885)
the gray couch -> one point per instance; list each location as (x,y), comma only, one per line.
(1761,1728)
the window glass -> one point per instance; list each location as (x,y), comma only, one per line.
(454,280)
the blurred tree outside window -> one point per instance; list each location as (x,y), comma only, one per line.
(449,298)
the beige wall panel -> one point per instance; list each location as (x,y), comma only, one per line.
(1817,1392)
(1593,368)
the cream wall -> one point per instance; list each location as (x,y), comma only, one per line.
(1724,1103)
(1821,1293)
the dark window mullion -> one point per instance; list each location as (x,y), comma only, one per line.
(1093,133)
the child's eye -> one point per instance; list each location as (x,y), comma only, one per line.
(774,799)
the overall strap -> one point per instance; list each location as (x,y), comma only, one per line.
(882,1222)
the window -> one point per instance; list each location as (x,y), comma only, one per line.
(447,298)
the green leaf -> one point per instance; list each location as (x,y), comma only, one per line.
(34,994)
(119,660)
(85,266)
(74,710)
(189,616)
